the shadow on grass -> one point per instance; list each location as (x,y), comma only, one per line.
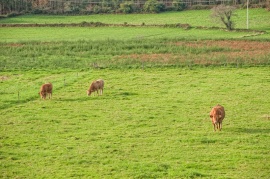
(82,99)
(128,94)
(11,103)
(86,98)
(251,131)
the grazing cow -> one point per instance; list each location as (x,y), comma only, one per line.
(97,85)
(217,114)
(46,89)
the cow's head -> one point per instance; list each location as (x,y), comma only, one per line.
(88,92)
(215,117)
(42,95)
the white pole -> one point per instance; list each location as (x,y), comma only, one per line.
(247,14)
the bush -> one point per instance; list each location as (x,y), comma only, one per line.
(200,7)
(178,5)
(96,9)
(37,11)
(107,10)
(13,14)
(153,6)
(127,7)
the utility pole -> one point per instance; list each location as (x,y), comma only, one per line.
(247,13)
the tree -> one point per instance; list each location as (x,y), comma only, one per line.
(224,14)
(267,4)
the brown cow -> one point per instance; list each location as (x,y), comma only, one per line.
(217,114)
(97,85)
(46,89)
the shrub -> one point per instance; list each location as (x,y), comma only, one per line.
(96,9)
(127,7)
(37,11)
(106,10)
(178,5)
(13,14)
(200,7)
(153,6)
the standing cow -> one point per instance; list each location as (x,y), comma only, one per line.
(46,89)
(217,114)
(97,86)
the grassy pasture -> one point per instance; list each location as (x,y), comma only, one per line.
(154,126)
(26,34)
(258,19)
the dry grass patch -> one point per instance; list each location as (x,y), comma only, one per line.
(209,52)
(231,44)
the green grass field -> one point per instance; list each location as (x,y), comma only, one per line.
(258,20)
(149,123)
(153,119)
(25,34)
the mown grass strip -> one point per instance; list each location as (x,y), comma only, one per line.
(258,19)
(155,125)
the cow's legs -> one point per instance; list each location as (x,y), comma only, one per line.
(214,127)
(220,126)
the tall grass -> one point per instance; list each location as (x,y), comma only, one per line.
(122,54)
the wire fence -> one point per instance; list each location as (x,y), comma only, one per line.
(62,6)
(139,2)
(17,89)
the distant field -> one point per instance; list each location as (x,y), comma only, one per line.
(48,34)
(258,19)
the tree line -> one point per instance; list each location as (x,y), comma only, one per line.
(14,7)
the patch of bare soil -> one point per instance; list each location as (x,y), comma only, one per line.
(248,51)
(14,45)
(231,44)
(4,78)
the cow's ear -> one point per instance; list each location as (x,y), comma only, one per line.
(211,116)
